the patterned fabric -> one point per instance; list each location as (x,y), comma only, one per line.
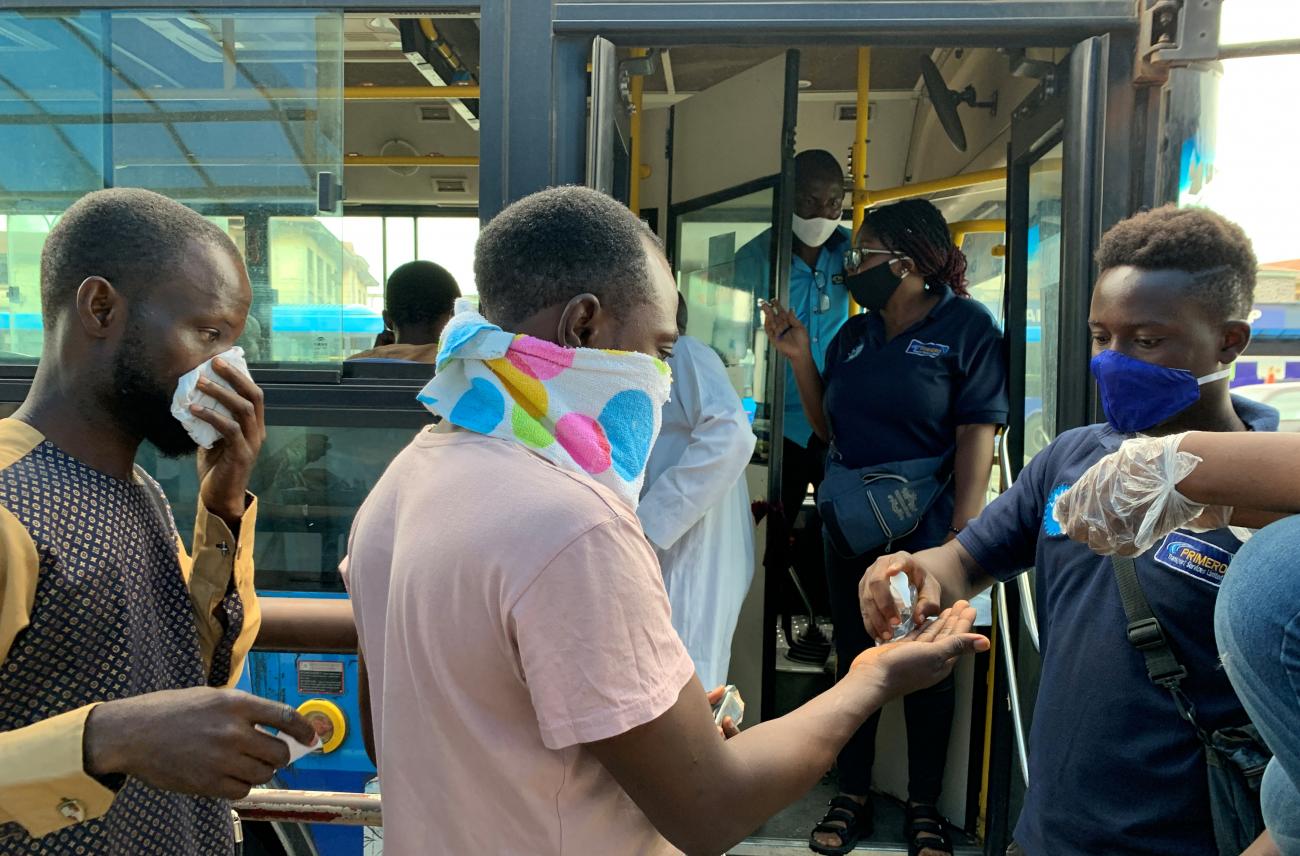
(589,411)
(112,618)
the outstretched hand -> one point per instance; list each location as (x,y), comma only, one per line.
(925,656)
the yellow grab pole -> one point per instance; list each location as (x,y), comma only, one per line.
(860,150)
(922,188)
(860,139)
(636,90)
(981,820)
(961,228)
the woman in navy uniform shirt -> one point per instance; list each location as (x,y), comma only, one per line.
(921,374)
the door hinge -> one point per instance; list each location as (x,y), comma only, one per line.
(1175,33)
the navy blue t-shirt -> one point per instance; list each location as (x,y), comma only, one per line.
(902,399)
(1112,766)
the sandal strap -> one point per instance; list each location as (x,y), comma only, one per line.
(926,829)
(848,804)
(825,828)
(838,814)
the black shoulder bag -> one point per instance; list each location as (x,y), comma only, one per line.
(1235,757)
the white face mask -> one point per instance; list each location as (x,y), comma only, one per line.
(814,232)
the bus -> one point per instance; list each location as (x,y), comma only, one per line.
(335,143)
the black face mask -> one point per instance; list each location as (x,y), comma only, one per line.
(873,287)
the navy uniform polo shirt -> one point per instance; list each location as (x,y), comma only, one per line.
(818,298)
(1113,768)
(902,399)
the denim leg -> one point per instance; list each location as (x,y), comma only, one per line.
(1257,625)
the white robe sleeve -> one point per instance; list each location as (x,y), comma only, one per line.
(720,447)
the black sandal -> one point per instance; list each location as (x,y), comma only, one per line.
(857,821)
(924,830)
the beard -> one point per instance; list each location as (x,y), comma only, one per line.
(142,401)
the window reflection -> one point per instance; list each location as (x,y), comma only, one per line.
(310,481)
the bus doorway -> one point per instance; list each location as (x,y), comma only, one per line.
(984,134)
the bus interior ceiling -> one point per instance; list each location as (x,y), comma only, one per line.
(386,62)
(906,143)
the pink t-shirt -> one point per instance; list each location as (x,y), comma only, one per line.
(520,613)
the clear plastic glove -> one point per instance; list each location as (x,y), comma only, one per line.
(1129,500)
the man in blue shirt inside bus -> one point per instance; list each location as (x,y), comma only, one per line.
(1113,768)
(820,300)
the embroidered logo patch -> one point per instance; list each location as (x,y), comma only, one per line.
(933,350)
(853,354)
(837,279)
(1050,527)
(904,503)
(1192,556)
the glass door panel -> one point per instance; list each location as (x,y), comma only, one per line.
(722,301)
(1043,247)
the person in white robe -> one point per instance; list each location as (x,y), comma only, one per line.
(695,505)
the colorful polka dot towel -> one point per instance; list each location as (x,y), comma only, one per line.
(590,411)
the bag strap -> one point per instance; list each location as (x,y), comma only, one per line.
(1147,635)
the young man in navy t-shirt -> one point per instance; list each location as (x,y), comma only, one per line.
(1113,766)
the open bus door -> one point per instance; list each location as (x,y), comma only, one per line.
(1079,160)
(731,190)
(730,183)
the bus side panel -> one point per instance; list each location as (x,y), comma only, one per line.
(294,679)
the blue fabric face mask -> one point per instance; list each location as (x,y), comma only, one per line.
(1138,396)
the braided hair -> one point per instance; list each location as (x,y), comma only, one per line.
(915,228)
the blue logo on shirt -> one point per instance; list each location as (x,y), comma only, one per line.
(1194,557)
(1050,526)
(933,350)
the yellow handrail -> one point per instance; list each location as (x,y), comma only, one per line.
(938,185)
(860,150)
(962,228)
(635,91)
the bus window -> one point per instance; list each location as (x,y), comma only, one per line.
(192,122)
(1242,175)
(310,481)
(985,263)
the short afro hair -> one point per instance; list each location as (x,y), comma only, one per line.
(420,292)
(128,236)
(556,244)
(817,165)
(1213,249)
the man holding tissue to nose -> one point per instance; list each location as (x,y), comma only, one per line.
(118,730)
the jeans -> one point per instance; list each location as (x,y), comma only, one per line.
(928,712)
(1257,625)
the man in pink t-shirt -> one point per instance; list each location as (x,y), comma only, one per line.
(528,690)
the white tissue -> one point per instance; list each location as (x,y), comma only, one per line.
(187,394)
(296,749)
